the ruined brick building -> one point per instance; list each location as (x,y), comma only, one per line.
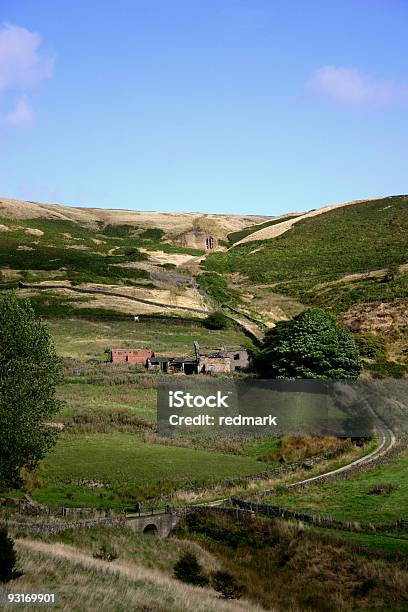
(131,355)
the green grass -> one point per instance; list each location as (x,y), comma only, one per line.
(48,304)
(387,369)
(132,469)
(349,500)
(262,448)
(391,544)
(356,238)
(217,288)
(85,339)
(132,546)
(341,296)
(84,399)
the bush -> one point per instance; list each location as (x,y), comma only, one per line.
(187,569)
(105,554)
(381,488)
(312,345)
(225,583)
(216,320)
(8,558)
(153,233)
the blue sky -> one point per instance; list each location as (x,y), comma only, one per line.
(235,106)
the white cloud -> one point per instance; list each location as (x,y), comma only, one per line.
(350,86)
(22,67)
(21,113)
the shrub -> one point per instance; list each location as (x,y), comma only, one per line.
(105,554)
(187,569)
(312,345)
(118,231)
(216,320)
(225,583)
(381,488)
(8,558)
(153,233)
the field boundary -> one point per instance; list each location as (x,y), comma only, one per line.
(400,524)
(111,294)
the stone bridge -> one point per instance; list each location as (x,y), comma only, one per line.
(156,523)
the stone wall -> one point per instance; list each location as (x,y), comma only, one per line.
(315,519)
(57,527)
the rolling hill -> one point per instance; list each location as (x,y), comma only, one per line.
(347,258)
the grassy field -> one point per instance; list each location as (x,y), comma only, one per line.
(85,339)
(349,500)
(132,469)
(391,544)
(357,238)
(87,399)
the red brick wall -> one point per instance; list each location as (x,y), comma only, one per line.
(131,355)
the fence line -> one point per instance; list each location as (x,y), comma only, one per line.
(316,519)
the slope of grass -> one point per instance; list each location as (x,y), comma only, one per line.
(81,583)
(286,567)
(357,238)
(84,400)
(340,296)
(217,288)
(349,500)
(132,469)
(390,544)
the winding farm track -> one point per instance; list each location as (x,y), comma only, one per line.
(387,441)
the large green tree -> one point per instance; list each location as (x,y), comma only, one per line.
(29,373)
(312,345)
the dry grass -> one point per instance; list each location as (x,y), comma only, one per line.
(171,223)
(160,257)
(280,228)
(83,583)
(293,448)
(290,567)
(188,298)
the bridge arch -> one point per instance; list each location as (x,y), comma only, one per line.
(151,529)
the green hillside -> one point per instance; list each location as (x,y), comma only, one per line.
(83,254)
(352,239)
